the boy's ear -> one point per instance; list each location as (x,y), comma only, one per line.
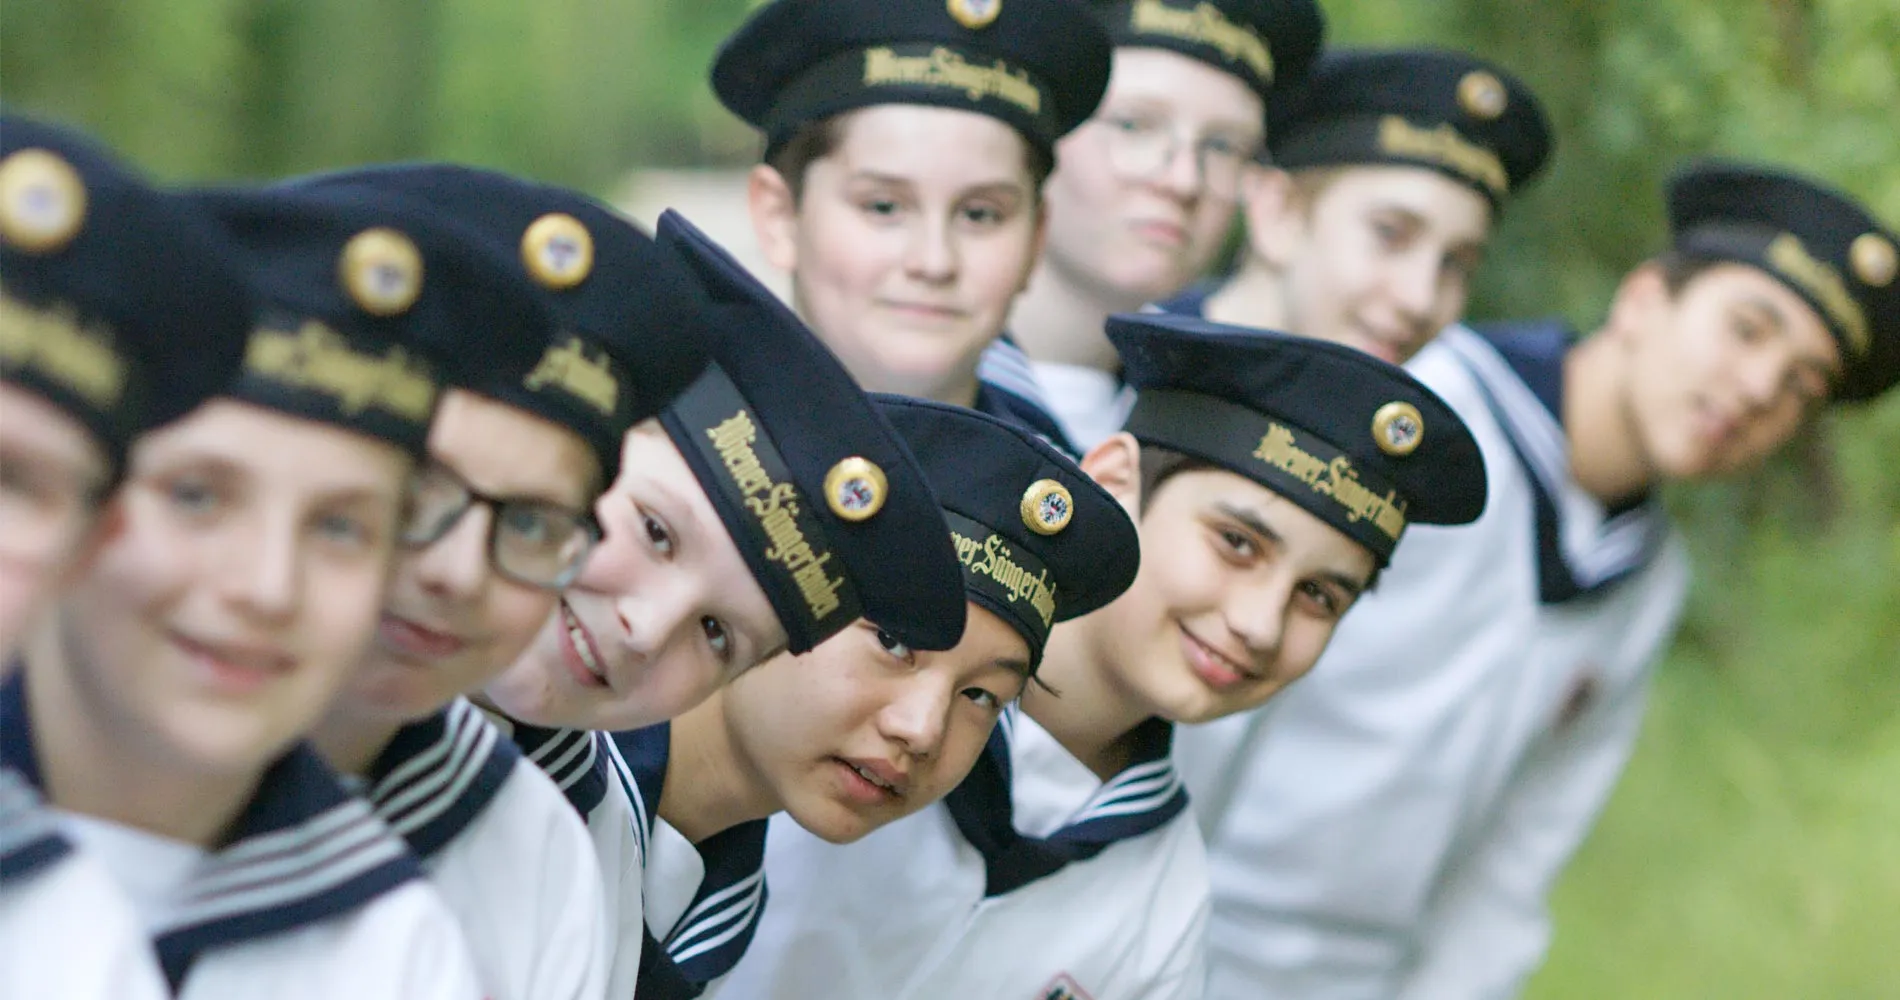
(1116,465)
(1275,214)
(1640,297)
(774,211)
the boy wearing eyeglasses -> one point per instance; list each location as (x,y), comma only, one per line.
(1145,191)
(527,436)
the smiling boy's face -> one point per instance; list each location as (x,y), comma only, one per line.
(1239,592)
(220,622)
(665,612)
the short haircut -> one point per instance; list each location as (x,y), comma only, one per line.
(813,141)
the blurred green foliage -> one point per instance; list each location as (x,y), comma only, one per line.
(1751,850)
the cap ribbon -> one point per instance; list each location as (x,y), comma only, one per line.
(1291,461)
(1005,578)
(770,518)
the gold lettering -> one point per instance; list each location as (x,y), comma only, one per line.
(568,367)
(991,558)
(56,342)
(1204,24)
(1789,256)
(317,358)
(1336,479)
(1443,145)
(947,69)
(776,506)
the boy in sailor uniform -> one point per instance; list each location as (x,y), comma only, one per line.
(527,436)
(907,206)
(1271,478)
(863,730)
(1388,169)
(1492,709)
(1145,191)
(97,345)
(768,508)
(161,710)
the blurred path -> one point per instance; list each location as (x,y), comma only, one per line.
(714,200)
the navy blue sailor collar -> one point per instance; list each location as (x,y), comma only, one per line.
(30,840)
(571,758)
(718,925)
(1583,548)
(303,851)
(439,774)
(1140,799)
(1192,301)
(1007,389)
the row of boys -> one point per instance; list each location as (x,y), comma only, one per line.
(426,584)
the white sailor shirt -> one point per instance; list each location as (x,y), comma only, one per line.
(589,772)
(311,896)
(66,930)
(1404,809)
(1085,405)
(1033,880)
(504,849)
(703,901)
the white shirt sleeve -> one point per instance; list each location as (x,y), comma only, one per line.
(1487,926)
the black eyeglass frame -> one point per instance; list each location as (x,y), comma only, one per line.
(498,507)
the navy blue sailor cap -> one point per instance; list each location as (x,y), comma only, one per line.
(1357,442)
(1816,240)
(631,335)
(369,306)
(1039,66)
(1039,540)
(1465,117)
(827,505)
(1268,44)
(121,304)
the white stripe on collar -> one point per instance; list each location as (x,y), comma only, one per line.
(700,930)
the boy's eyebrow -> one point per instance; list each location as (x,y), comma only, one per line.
(1014,665)
(1251,520)
(1768,309)
(1352,587)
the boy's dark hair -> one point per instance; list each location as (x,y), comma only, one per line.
(1678,268)
(813,141)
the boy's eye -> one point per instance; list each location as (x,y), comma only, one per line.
(988,699)
(1238,542)
(893,647)
(343,528)
(983,215)
(527,523)
(879,206)
(191,495)
(658,536)
(1321,598)
(717,637)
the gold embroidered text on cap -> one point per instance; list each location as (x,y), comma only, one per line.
(1482,95)
(558,251)
(1398,428)
(1873,259)
(855,489)
(42,201)
(974,14)
(1047,507)
(381,269)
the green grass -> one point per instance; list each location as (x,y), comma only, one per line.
(1753,848)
